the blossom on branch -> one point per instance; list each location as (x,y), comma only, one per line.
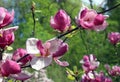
(19,53)
(7,36)
(44,53)
(90,19)
(10,67)
(6,17)
(114,37)
(95,77)
(114,71)
(89,63)
(61,21)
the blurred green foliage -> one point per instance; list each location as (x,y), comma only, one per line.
(96,42)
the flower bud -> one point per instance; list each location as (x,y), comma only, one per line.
(114,37)
(61,21)
(10,67)
(7,36)
(6,17)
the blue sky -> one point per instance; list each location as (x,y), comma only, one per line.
(97,2)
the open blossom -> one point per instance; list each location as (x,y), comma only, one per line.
(7,36)
(5,17)
(61,21)
(89,63)
(95,77)
(90,19)
(51,49)
(114,37)
(114,71)
(19,53)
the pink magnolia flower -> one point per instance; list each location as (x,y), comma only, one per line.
(90,19)
(114,71)
(114,37)
(61,21)
(7,36)
(5,17)
(51,49)
(19,53)
(10,67)
(95,77)
(89,63)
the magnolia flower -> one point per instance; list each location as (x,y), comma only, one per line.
(90,19)
(89,63)
(19,53)
(95,77)
(114,37)
(61,21)
(51,49)
(10,67)
(5,17)
(7,36)
(114,71)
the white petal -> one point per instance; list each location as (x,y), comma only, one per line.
(39,63)
(1,79)
(7,56)
(31,46)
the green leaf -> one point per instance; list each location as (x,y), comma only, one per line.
(70,71)
(75,69)
(9,48)
(70,77)
(38,11)
(10,80)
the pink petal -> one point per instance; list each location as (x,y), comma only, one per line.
(101,27)
(83,12)
(40,47)
(99,19)
(8,18)
(53,24)
(2,15)
(63,63)
(55,43)
(61,50)
(10,67)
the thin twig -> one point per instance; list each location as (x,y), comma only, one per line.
(68,32)
(33,15)
(110,8)
(26,66)
(1,51)
(91,5)
(22,57)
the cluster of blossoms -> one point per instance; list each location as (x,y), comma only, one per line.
(95,77)
(87,19)
(115,71)
(39,55)
(89,65)
(8,66)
